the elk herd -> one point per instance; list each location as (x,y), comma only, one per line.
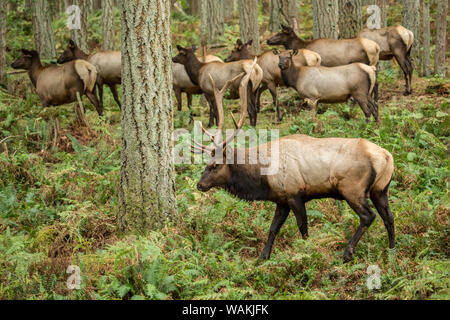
(320,70)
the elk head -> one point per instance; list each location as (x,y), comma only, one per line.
(69,52)
(25,60)
(183,54)
(240,51)
(217,173)
(284,36)
(286,59)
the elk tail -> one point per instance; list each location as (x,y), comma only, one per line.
(87,73)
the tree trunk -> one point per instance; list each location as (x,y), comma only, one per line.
(80,35)
(147,184)
(325,18)
(440,67)
(283,12)
(42,29)
(248,23)
(3,8)
(426,38)
(215,24)
(194,7)
(411,21)
(350,18)
(228,7)
(98,4)
(107,25)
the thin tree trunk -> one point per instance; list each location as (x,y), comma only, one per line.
(350,18)
(80,35)
(215,22)
(411,21)
(440,66)
(3,8)
(107,25)
(147,185)
(228,8)
(426,38)
(248,23)
(283,12)
(42,29)
(325,18)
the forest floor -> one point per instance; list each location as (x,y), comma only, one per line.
(58,208)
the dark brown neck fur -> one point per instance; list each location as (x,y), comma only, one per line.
(80,54)
(290,75)
(35,70)
(193,66)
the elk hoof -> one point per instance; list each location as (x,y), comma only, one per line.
(407,92)
(264,256)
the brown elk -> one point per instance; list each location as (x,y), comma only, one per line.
(108,64)
(59,84)
(394,42)
(221,72)
(268,61)
(182,82)
(329,85)
(307,168)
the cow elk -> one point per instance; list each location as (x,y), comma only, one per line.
(330,85)
(268,61)
(108,64)
(394,42)
(307,168)
(200,72)
(182,82)
(59,84)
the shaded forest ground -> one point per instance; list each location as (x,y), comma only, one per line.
(58,206)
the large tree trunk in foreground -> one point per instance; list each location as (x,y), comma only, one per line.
(80,35)
(248,23)
(325,18)
(350,18)
(440,67)
(411,21)
(213,21)
(42,29)
(2,40)
(147,184)
(107,24)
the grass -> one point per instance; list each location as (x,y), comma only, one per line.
(58,208)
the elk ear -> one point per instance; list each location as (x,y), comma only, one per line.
(25,51)
(239,42)
(179,48)
(249,42)
(275,51)
(71,44)
(294,53)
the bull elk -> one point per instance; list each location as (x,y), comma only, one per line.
(182,82)
(108,64)
(307,168)
(59,84)
(394,42)
(268,61)
(221,72)
(329,85)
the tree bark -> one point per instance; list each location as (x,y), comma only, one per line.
(147,184)
(42,29)
(283,12)
(350,18)
(3,12)
(194,7)
(107,24)
(440,67)
(325,18)
(80,35)
(215,24)
(228,7)
(411,21)
(248,23)
(426,38)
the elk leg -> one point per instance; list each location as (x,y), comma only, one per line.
(178,97)
(366,217)
(381,202)
(364,104)
(406,72)
(281,213)
(273,91)
(189,101)
(113,89)
(259,92)
(212,109)
(251,103)
(298,207)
